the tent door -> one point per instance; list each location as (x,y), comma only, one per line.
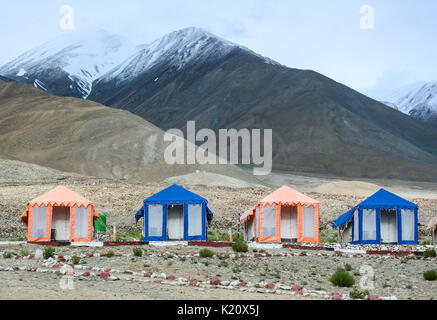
(288,223)
(389,227)
(61,223)
(175,222)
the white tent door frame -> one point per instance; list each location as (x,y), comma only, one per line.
(389,226)
(175,222)
(289,222)
(61,223)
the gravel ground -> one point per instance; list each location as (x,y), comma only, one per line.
(400,277)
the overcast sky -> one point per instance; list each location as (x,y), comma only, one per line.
(325,36)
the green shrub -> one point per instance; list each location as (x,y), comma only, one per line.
(240,246)
(110,254)
(342,278)
(430,275)
(7,255)
(206,253)
(138,252)
(347,267)
(49,252)
(24,253)
(75,260)
(357,294)
(429,253)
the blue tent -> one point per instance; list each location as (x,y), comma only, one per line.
(383,217)
(175,214)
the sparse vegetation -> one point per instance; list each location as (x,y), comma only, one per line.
(138,252)
(7,255)
(430,275)
(240,246)
(429,253)
(75,260)
(206,253)
(110,254)
(49,252)
(129,235)
(328,236)
(348,267)
(357,294)
(342,278)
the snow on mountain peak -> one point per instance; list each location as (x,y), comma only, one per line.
(177,49)
(418,99)
(83,56)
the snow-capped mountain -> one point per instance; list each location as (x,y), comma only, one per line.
(176,50)
(418,100)
(68,65)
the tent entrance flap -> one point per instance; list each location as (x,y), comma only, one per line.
(389,226)
(61,223)
(175,222)
(289,223)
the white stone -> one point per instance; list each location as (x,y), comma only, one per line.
(234,283)
(38,254)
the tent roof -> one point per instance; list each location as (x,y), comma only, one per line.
(288,196)
(343,219)
(385,198)
(60,196)
(176,193)
(381,198)
(247,214)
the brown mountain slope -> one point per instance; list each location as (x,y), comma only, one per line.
(75,135)
(319,126)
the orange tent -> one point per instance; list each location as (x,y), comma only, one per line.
(284,215)
(59,215)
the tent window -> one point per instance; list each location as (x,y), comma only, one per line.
(408,225)
(269,221)
(308,220)
(369,224)
(39,222)
(81,222)
(356,226)
(194,220)
(155,220)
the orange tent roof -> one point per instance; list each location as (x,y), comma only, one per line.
(288,196)
(60,196)
(284,196)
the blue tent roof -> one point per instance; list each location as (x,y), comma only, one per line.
(382,198)
(176,193)
(343,219)
(385,198)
